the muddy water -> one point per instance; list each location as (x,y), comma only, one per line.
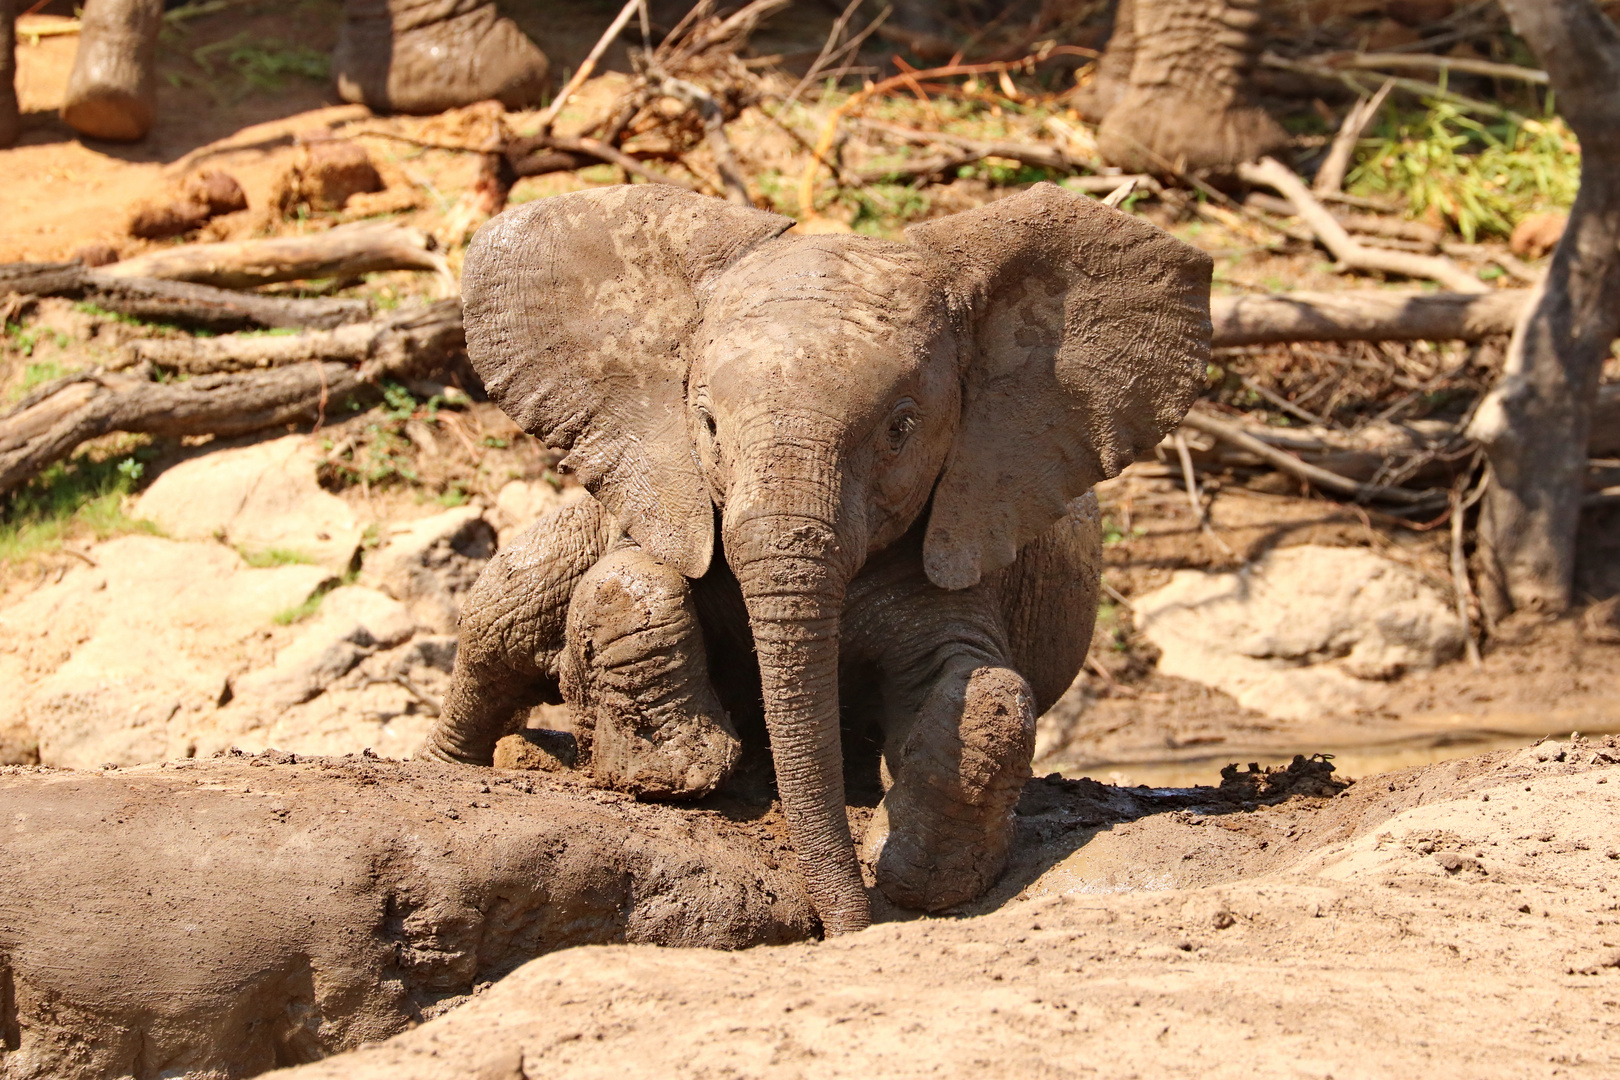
(1352,761)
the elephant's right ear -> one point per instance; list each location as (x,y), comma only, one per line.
(578,308)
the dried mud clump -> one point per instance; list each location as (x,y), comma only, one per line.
(200,198)
(1311,777)
(327,174)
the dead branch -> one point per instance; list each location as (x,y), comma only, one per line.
(49,426)
(1274,174)
(1234,434)
(1365,315)
(619,22)
(345,251)
(714,125)
(178,302)
(361,343)
(1430,62)
(1330,177)
(1039,155)
(1365,224)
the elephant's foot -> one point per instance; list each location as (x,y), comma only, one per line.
(424,56)
(635,674)
(941,835)
(111,93)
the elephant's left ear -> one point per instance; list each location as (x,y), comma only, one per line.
(578,311)
(1090,335)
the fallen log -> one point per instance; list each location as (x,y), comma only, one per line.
(1233,433)
(49,424)
(223,917)
(341,252)
(1365,315)
(1274,174)
(383,341)
(178,302)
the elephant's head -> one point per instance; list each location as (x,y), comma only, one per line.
(822,391)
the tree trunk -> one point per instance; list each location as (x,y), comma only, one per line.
(9,120)
(112,93)
(1535,423)
(1188,107)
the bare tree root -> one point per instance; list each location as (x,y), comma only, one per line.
(177,302)
(51,423)
(1352,255)
(1234,434)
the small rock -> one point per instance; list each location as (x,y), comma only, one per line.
(200,197)
(1602,621)
(537,749)
(429,565)
(326,175)
(1303,631)
(1537,234)
(93,255)
(262,499)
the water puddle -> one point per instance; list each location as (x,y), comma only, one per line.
(1352,762)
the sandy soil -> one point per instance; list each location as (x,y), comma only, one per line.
(1456,921)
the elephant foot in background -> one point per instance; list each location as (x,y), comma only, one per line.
(1187,105)
(9,120)
(112,92)
(636,675)
(941,835)
(426,56)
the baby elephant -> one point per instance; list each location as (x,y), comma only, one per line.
(837,481)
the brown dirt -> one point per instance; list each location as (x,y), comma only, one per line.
(1455,921)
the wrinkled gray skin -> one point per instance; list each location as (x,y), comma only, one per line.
(426,56)
(1173,89)
(413,56)
(890,443)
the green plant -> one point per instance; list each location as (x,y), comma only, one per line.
(1481,178)
(270,557)
(299,612)
(81,495)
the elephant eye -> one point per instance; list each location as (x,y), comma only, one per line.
(902,422)
(708,420)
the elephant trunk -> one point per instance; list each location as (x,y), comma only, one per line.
(793,575)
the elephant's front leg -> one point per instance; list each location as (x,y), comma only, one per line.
(635,673)
(941,835)
(959,732)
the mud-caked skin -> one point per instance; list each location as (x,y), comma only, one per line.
(112,91)
(426,56)
(1186,101)
(835,480)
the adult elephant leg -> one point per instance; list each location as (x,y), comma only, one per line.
(635,671)
(112,92)
(1188,106)
(8,73)
(512,628)
(1113,72)
(426,56)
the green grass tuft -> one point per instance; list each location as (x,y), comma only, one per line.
(269,557)
(77,496)
(1482,179)
(299,612)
